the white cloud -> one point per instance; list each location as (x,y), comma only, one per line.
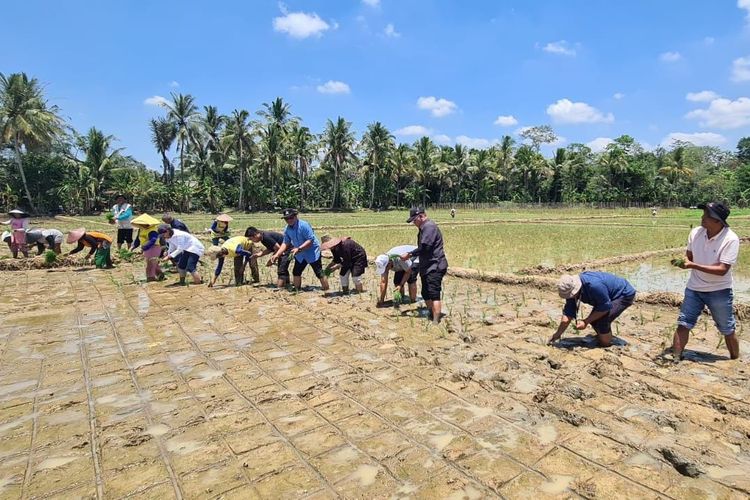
(333,87)
(438,107)
(390,31)
(698,138)
(442,139)
(670,57)
(156,100)
(506,120)
(702,96)
(371,3)
(618,95)
(299,25)
(475,142)
(723,113)
(560,47)
(566,111)
(597,145)
(741,69)
(174,84)
(744,4)
(410,130)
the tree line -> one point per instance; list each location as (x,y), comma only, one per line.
(270,159)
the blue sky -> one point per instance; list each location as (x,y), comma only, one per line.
(466,72)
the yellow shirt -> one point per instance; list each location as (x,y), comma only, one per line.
(232,243)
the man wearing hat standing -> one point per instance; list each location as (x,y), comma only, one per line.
(349,257)
(432,262)
(609,296)
(712,250)
(300,237)
(123,214)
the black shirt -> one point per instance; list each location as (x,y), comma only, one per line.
(270,239)
(347,253)
(430,249)
(178,224)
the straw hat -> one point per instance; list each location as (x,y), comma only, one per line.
(16,211)
(144,220)
(75,235)
(329,242)
(213,252)
(223,218)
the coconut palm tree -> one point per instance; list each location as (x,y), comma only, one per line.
(425,153)
(210,126)
(302,145)
(271,155)
(378,144)
(27,121)
(163,133)
(183,112)
(238,140)
(403,169)
(338,141)
(277,111)
(99,158)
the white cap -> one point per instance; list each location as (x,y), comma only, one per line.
(381,262)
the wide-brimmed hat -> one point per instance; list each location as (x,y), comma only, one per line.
(213,252)
(16,211)
(224,218)
(289,212)
(569,285)
(328,242)
(716,210)
(144,220)
(413,213)
(75,235)
(6,236)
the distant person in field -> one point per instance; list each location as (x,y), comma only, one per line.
(404,272)
(186,250)
(174,223)
(123,214)
(349,258)
(99,245)
(432,262)
(609,296)
(653,212)
(712,250)
(453,213)
(220,229)
(303,246)
(240,250)
(19,224)
(272,241)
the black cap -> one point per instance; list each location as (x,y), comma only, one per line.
(716,210)
(289,212)
(413,213)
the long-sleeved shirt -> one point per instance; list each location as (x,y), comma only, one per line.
(347,253)
(219,228)
(123,214)
(147,238)
(299,233)
(430,249)
(91,239)
(239,246)
(599,289)
(182,241)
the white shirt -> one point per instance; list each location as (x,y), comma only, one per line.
(122,223)
(184,242)
(722,248)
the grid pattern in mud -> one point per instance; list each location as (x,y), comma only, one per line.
(112,388)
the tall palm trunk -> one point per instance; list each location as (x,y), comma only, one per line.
(335,182)
(242,179)
(19,163)
(372,191)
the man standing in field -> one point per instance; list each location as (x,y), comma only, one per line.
(609,296)
(712,250)
(123,214)
(432,262)
(300,237)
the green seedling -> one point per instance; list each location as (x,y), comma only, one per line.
(125,255)
(50,257)
(327,272)
(109,216)
(677,262)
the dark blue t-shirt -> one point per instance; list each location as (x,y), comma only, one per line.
(599,289)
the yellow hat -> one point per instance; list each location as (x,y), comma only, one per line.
(144,220)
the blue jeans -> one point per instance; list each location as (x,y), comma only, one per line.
(718,302)
(188,262)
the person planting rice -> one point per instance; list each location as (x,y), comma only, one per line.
(272,241)
(99,245)
(186,250)
(122,214)
(433,264)
(300,237)
(239,249)
(349,258)
(44,238)
(404,271)
(609,296)
(220,229)
(174,223)
(19,223)
(712,250)
(148,240)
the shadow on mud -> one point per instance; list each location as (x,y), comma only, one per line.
(702,357)
(589,342)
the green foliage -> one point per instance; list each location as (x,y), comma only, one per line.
(125,255)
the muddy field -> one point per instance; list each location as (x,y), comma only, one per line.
(114,388)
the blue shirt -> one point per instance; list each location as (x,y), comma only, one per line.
(298,234)
(599,289)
